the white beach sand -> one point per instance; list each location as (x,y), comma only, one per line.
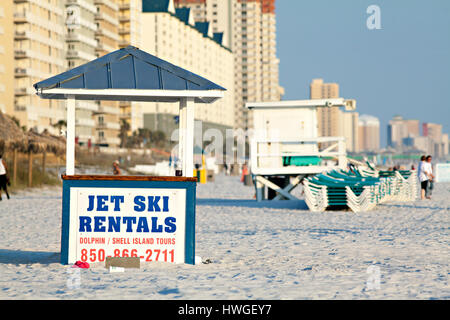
(258,251)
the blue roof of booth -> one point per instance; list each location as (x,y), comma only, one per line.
(128,68)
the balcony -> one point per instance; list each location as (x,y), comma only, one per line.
(124,18)
(102,16)
(20,108)
(87,105)
(99,32)
(21,72)
(123,43)
(125,115)
(124,6)
(108,3)
(71,37)
(20,54)
(21,35)
(20,17)
(108,34)
(125,30)
(108,125)
(23,91)
(85,122)
(71,54)
(107,110)
(99,16)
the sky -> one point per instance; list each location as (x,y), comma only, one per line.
(401,69)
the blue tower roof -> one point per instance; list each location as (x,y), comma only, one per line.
(203,27)
(183,14)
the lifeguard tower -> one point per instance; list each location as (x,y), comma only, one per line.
(285,146)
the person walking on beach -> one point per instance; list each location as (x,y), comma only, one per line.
(116,168)
(423,178)
(3,177)
(428,169)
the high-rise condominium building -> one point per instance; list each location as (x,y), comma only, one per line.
(6,57)
(43,38)
(172,35)
(249,26)
(39,52)
(369,133)
(107,36)
(399,128)
(130,34)
(350,130)
(219,13)
(332,121)
(328,119)
(129,22)
(438,141)
(80,49)
(433,131)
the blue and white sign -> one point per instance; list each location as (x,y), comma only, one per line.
(104,219)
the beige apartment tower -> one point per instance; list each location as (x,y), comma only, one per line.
(249,27)
(174,36)
(437,140)
(81,48)
(39,53)
(328,119)
(130,12)
(399,128)
(107,36)
(334,122)
(369,133)
(7,57)
(350,130)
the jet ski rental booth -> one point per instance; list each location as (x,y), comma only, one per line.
(149,217)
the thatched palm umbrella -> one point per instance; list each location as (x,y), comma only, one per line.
(55,144)
(13,139)
(36,143)
(11,136)
(43,143)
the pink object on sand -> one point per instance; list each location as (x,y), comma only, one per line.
(80,264)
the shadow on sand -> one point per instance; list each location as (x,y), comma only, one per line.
(281,204)
(28,257)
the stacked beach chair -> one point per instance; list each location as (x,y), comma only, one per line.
(358,189)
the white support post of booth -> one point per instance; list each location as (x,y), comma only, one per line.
(186,140)
(70,138)
(181,135)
